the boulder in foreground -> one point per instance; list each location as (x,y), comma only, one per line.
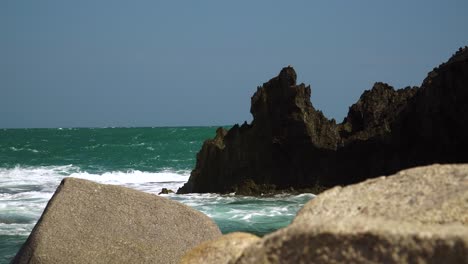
(221,250)
(87,222)
(419,215)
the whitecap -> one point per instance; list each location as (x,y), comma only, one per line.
(24,149)
(133,177)
(25,191)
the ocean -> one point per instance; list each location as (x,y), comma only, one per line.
(34,161)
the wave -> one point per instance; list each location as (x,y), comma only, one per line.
(24,149)
(258,215)
(39,182)
(25,190)
(47,178)
(134,177)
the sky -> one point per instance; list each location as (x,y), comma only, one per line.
(97,63)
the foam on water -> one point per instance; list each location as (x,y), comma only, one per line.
(146,159)
(25,191)
(24,149)
(258,215)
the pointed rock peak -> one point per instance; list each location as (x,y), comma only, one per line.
(460,55)
(288,76)
(378,90)
(221,132)
(381,86)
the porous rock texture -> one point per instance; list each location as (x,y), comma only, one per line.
(419,215)
(291,145)
(87,222)
(221,250)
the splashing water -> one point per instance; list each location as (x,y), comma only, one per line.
(34,161)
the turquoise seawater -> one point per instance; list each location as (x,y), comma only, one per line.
(34,161)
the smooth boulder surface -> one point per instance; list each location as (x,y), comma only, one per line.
(87,222)
(436,194)
(221,250)
(419,215)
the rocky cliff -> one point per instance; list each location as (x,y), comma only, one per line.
(291,145)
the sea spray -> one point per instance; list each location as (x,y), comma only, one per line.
(145,159)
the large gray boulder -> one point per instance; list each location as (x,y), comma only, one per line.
(87,222)
(436,194)
(419,215)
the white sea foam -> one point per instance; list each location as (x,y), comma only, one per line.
(24,149)
(252,214)
(25,191)
(18,177)
(133,177)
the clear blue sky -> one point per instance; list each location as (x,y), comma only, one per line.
(95,63)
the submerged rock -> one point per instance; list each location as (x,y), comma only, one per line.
(290,144)
(166,191)
(220,250)
(416,216)
(87,222)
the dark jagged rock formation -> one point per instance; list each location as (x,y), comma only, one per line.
(274,150)
(290,144)
(429,128)
(374,112)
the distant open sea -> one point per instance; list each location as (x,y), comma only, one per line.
(34,161)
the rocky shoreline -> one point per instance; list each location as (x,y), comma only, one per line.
(416,216)
(290,145)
